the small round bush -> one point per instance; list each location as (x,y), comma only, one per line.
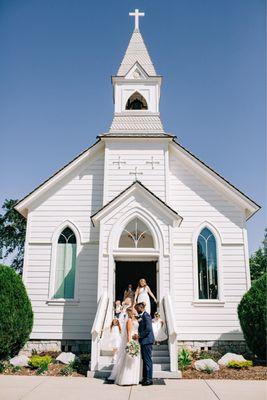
(16,317)
(39,361)
(252,317)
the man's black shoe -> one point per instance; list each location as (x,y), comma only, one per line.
(147,383)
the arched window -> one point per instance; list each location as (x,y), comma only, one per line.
(207,265)
(65,265)
(136,234)
(136,102)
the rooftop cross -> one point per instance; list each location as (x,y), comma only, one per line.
(136,14)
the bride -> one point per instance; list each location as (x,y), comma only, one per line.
(126,370)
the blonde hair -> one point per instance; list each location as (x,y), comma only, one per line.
(139,283)
(130,312)
(115,322)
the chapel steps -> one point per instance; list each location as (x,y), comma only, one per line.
(161,364)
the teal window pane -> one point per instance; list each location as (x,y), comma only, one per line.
(65,265)
(207,265)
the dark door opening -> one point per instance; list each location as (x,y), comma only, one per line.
(131,272)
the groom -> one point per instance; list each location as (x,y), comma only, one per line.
(146,340)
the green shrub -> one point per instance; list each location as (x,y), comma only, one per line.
(214,355)
(2,367)
(208,370)
(67,370)
(15,368)
(240,364)
(252,317)
(184,358)
(40,362)
(16,317)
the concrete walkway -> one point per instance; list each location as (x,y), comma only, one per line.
(62,388)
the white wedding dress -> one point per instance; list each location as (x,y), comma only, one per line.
(127,369)
(143,296)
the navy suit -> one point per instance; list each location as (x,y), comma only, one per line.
(146,340)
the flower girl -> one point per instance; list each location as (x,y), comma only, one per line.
(115,336)
(158,329)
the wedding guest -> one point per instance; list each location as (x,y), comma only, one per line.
(129,292)
(123,314)
(115,337)
(158,329)
(142,294)
(118,308)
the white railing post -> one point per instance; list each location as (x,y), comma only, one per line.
(172,332)
(97,330)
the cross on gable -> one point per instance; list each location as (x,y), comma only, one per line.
(135,173)
(136,14)
(152,162)
(119,162)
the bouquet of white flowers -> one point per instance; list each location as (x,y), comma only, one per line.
(132,348)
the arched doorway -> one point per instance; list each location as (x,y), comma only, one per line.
(136,239)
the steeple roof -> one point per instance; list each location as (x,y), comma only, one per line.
(136,52)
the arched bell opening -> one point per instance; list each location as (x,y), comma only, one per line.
(136,102)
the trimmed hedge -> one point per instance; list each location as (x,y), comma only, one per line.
(252,317)
(16,316)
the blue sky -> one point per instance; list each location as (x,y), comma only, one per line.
(56,96)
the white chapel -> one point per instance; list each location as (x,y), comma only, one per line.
(136,204)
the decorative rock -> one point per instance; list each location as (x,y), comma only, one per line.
(19,361)
(224,360)
(206,364)
(66,358)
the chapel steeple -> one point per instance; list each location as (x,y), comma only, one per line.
(136,91)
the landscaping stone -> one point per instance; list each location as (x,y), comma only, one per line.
(224,360)
(66,358)
(19,361)
(206,364)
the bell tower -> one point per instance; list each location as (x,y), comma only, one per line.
(136,91)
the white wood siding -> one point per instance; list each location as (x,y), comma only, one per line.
(197,201)
(75,199)
(135,154)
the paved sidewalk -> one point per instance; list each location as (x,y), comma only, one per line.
(62,388)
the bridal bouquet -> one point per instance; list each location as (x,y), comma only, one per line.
(132,348)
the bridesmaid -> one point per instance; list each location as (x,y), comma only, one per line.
(142,295)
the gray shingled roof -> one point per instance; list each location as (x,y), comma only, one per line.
(136,52)
(136,124)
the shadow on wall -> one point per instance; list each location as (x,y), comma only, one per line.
(236,344)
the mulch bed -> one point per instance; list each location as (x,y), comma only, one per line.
(53,370)
(251,373)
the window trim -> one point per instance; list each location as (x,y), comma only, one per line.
(62,301)
(196,300)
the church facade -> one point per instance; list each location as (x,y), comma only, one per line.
(136,204)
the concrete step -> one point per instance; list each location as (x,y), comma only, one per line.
(161,367)
(160,347)
(155,350)
(156,374)
(160,353)
(105,359)
(167,374)
(156,367)
(161,360)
